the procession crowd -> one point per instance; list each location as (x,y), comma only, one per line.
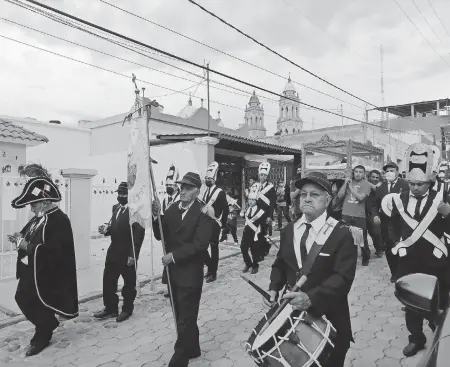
(311,277)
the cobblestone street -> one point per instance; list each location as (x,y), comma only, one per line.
(229,311)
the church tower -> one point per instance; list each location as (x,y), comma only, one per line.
(289,121)
(254,118)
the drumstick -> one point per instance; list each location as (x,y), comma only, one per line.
(283,304)
(261,291)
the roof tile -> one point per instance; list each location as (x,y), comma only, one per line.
(11,130)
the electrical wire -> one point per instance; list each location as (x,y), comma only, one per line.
(179,59)
(424,18)
(277,53)
(227,54)
(418,30)
(437,15)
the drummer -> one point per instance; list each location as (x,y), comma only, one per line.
(332,265)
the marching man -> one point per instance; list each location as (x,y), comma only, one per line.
(171,196)
(422,219)
(121,259)
(267,201)
(46,266)
(214,198)
(172,191)
(254,217)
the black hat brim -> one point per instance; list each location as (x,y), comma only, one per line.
(300,183)
(27,197)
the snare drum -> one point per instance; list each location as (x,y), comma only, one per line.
(293,339)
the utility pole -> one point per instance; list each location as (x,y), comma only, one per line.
(366,118)
(342,120)
(312,127)
(207,87)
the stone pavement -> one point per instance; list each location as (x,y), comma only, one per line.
(229,311)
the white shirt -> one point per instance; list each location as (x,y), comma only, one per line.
(412,204)
(185,209)
(299,229)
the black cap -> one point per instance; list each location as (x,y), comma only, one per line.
(192,179)
(390,164)
(123,188)
(317,178)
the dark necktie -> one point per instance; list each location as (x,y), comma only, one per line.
(303,251)
(417,210)
(206,197)
(170,199)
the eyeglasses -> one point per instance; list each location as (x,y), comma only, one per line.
(313,194)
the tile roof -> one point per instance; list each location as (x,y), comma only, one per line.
(13,133)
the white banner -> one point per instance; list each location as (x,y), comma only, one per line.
(139,185)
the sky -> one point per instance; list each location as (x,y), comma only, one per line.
(337,40)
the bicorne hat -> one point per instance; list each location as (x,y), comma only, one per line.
(37,189)
(123,188)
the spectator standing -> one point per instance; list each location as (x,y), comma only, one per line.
(373,228)
(295,195)
(283,203)
(354,191)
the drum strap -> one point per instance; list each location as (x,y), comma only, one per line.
(317,246)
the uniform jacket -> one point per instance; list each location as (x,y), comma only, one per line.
(272,196)
(382,190)
(220,206)
(420,253)
(248,233)
(121,247)
(329,280)
(187,239)
(51,256)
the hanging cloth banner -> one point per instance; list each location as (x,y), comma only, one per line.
(139,186)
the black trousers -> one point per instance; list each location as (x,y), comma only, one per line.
(111,274)
(337,356)
(246,246)
(230,228)
(374,232)
(264,245)
(41,317)
(212,262)
(389,243)
(283,210)
(187,304)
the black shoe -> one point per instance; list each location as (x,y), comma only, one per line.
(166,294)
(223,240)
(393,279)
(246,269)
(105,314)
(403,309)
(36,348)
(378,253)
(365,262)
(211,278)
(254,271)
(432,326)
(207,275)
(123,316)
(195,354)
(411,349)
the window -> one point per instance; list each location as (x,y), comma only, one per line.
(287,113)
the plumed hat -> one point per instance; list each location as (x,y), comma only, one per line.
(37,189)
(436,157)
(443,168)
(419,162)
(264,167)
(122,189)
(211,171)
(172,175)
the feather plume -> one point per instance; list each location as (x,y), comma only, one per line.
(33,170)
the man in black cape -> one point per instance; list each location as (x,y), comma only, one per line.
(46,266)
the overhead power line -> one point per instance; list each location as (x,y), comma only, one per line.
(426,20)
(437,15)
(95,26)
(279,55)
(121,36)
(227,54)
(418,30)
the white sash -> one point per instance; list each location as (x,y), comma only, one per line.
(419,229)
(212,200)
(263,192)
(250,221)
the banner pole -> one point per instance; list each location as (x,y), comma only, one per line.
(155,196)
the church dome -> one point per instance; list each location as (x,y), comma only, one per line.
(254,99)
(188,111)
(290,87)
